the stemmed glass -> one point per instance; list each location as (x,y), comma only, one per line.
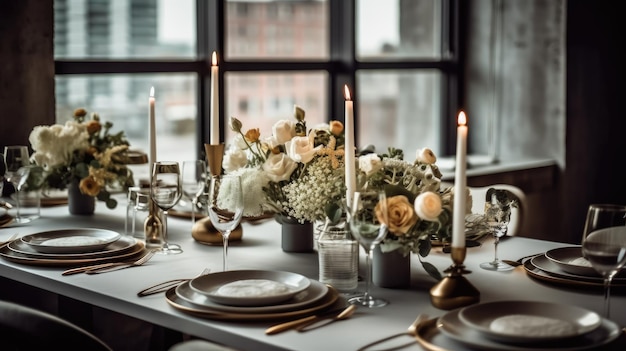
(369,230)
(15,157)
(498,214)
(225,205)
(194,180)
(165,191)
(605,249)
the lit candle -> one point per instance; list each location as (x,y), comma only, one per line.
(349,147)
(215,103)
(458,224)
(152,132)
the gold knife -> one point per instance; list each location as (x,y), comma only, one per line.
(277,328)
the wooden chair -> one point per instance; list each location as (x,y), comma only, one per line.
(27,329)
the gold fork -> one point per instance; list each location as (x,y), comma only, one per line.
(121,265)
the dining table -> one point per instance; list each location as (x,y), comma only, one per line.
(260,249)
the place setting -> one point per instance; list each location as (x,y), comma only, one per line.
(253,295)
(517,325)
(71,247)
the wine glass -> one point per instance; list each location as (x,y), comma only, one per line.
(601,216)
(165,191)
(194,180)
(15,157)
(369,230)
(225,204)
(498,215)
(605,249)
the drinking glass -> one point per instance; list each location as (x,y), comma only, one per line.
(165,190)
(605,249)
(498,214)
(194,180)
(369,232)
(601,216)
(225,205)
(15,157)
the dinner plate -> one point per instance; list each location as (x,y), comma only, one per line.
(79,240)
(331,298)
(124,243)
(451,326)
(555,273)
(250,287)
(18,257)
(564,258)
(529,321)
(310,295)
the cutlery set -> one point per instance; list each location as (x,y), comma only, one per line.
(314,321)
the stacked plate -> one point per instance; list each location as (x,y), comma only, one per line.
(521,325)
(251,295)
(70,247)
(566,266)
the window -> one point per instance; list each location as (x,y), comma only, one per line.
(398,58)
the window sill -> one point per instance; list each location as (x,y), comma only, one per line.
(530,175)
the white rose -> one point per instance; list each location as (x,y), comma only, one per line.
(428,206)
(301,149)
(234,159)
(284,130)
(425,155)
(370,163)
(279,167)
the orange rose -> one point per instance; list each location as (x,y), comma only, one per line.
(336,127)
(93,127)
(253,135)
(89,186)
(400,213)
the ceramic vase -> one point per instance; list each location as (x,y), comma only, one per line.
(79,203)
(391,269)
(295,236)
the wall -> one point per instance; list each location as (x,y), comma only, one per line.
(26,69)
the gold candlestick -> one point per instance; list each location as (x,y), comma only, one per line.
(454,290)
(214,156)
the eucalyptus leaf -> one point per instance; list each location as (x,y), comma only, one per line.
(431,270)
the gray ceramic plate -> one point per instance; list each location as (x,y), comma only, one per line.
(249,292)
(124,244)
(71,240)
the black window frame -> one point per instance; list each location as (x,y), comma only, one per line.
(342,65)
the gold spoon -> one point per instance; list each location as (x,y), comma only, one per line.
(322,321)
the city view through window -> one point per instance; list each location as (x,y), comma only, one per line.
(396,107)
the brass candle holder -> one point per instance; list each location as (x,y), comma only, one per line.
(214,156)
(454,290)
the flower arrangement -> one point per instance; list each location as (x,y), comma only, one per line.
(82,150)
(293,172)
(419,210)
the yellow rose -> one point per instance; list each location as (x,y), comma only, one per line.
(428,206)
(80,112)
(400,213)
(89,186)
(253,135)
(426,155)
(336,127)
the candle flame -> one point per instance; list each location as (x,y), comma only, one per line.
(214,59)
(462,120)
(346,92)
(151,91)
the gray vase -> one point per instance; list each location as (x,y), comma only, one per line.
(391,269)
(295,236)
(79,203)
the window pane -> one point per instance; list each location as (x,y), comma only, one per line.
(123,100)
(277,29)
(399,109)
(259,100)
(398,29)
(124,29)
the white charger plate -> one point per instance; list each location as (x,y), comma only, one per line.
(310,295)
(123,244)
(454,331)
(563,257)
(71,240)
(480,317)
(210,284)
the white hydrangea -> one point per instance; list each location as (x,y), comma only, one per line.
(54,145)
